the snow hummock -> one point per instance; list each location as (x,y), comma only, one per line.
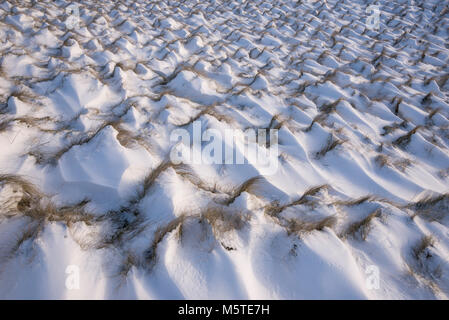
(92,207)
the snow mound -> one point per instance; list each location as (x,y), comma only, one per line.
(93,207)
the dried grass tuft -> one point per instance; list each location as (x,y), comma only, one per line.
(361,227)
(331,144)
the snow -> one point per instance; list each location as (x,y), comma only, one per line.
(92,207)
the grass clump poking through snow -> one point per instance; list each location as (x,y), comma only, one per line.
(423,268)
(404,140)
(221,219)
(355,202)
(248,186)
(361,227)
(273,209)
(27,200)
(382,160)
(224,220)
(97,106)
(159,235)
(149,181)
(431,207)
(422,245)
(330,145)
(300,226)
(22,199)
(230,193)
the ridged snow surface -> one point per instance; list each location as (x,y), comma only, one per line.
(92,205)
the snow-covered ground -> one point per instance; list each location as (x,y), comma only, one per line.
(92,205)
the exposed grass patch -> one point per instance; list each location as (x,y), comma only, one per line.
(393,127)
(221,219)
(382,160)
(300,226)
(231,194)
(320,119)
(361,227)
(355,202)
(248,186)
(421,267)
(422,245)
(31,202)
(190,175)
(432,208)
(150,179)
(131,260)
(402,164)
(274,208)
(28,201)
(159,235)
(404,140)
(330,145)
(224,220)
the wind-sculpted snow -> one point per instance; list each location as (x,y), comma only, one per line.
(89,97)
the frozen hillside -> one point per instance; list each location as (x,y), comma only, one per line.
(93,206)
